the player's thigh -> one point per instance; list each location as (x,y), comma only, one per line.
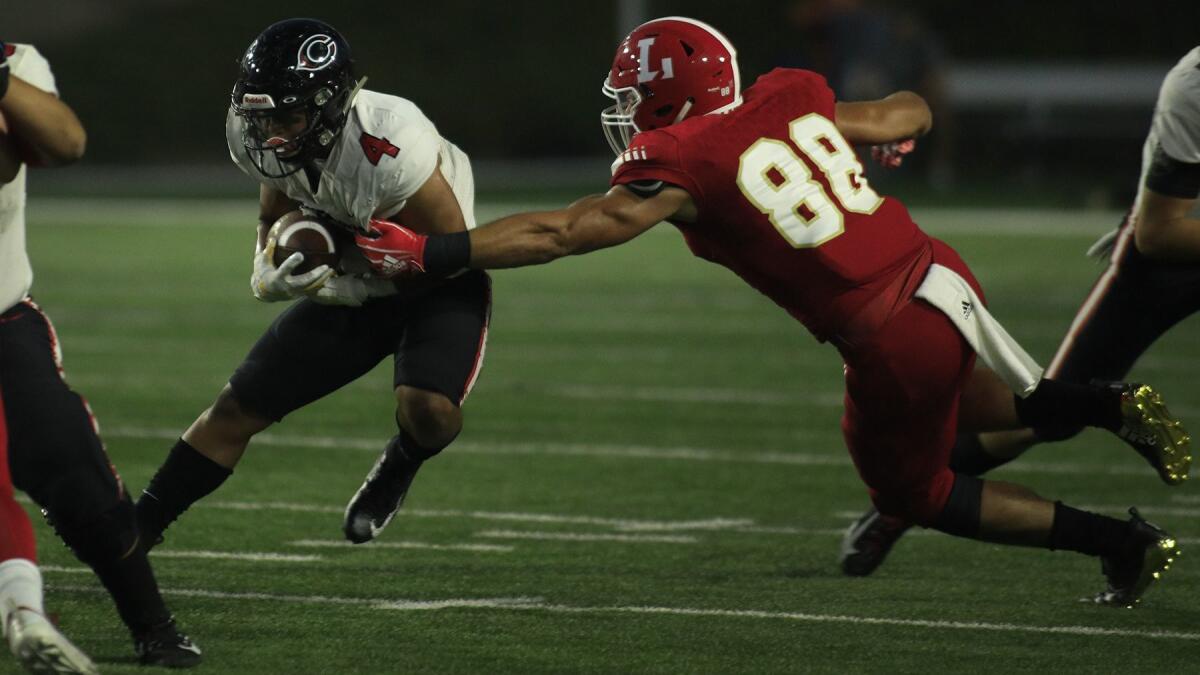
(1128,309)
(54,451)
(312,350)
(445,336)
(902,399)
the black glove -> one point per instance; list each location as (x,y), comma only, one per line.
(3,69)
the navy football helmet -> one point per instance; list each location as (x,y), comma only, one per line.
(294,90)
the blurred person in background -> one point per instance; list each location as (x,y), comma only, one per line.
(1151,283)
(866,51)
(765,182)
(49,442)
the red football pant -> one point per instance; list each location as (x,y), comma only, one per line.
(902,397)
(16,532)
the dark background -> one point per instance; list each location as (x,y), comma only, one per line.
(521,80)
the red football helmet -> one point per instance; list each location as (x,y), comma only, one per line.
(664,71)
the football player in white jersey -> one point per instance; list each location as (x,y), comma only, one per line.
(49,444)
(301,124)
(1151,283)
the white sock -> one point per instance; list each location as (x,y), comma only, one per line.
(20,586)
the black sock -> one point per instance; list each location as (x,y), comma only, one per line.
(1085,532)
(134,590)
(183,479)
(968,456)
(109,543)
(1065,404)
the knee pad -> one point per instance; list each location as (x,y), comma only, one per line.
(73,498)
(960,515)
(920,504)
(1059,433)
(104,539)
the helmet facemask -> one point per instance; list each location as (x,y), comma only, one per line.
(277,156)
(617,119)
(666,71)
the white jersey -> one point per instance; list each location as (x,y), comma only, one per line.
(384,154)
(16,276)
(1176,125)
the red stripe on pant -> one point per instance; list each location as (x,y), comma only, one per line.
(479,350)
(16,532)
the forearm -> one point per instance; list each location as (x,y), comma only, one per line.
(901,116)
(1177,240)
(45,126)
(519,240)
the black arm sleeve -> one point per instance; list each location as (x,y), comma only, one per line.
(646,188)
(1173,178)
(447,253)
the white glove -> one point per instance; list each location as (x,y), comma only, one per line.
(272,284)
(351,291)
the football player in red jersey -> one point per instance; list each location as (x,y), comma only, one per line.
(765,182)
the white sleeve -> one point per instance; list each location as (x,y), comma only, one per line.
(420,146)
(28,64)
(1177,115)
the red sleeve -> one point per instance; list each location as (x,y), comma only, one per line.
(804,84)
(654,155)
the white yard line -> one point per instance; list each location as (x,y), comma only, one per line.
(538,604)
(584,536)
(331,543)
(373,603)
(1151,510)
(157,212)
(1133,467)
(622,524)
(225,555)
(65,570)
(878,621)
(692,395)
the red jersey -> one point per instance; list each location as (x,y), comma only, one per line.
(782,201)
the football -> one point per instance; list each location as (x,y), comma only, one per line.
(299,232)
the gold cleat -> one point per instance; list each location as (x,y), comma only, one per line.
(1130,576)
(1148,427)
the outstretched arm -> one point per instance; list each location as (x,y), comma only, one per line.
(594,222)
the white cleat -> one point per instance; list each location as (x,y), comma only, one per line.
(40,648)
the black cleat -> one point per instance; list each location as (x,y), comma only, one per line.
(165,645)
(1148,427)
(1150,553)
(868,540)
(380,497)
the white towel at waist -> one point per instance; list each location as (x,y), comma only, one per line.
(945,289)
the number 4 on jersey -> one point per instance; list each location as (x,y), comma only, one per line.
(375,148)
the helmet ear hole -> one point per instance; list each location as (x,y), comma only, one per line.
(687,49)
(664,110)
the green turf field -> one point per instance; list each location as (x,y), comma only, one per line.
(651,479)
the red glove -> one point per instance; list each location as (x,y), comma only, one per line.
(890,155)
(392,249)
